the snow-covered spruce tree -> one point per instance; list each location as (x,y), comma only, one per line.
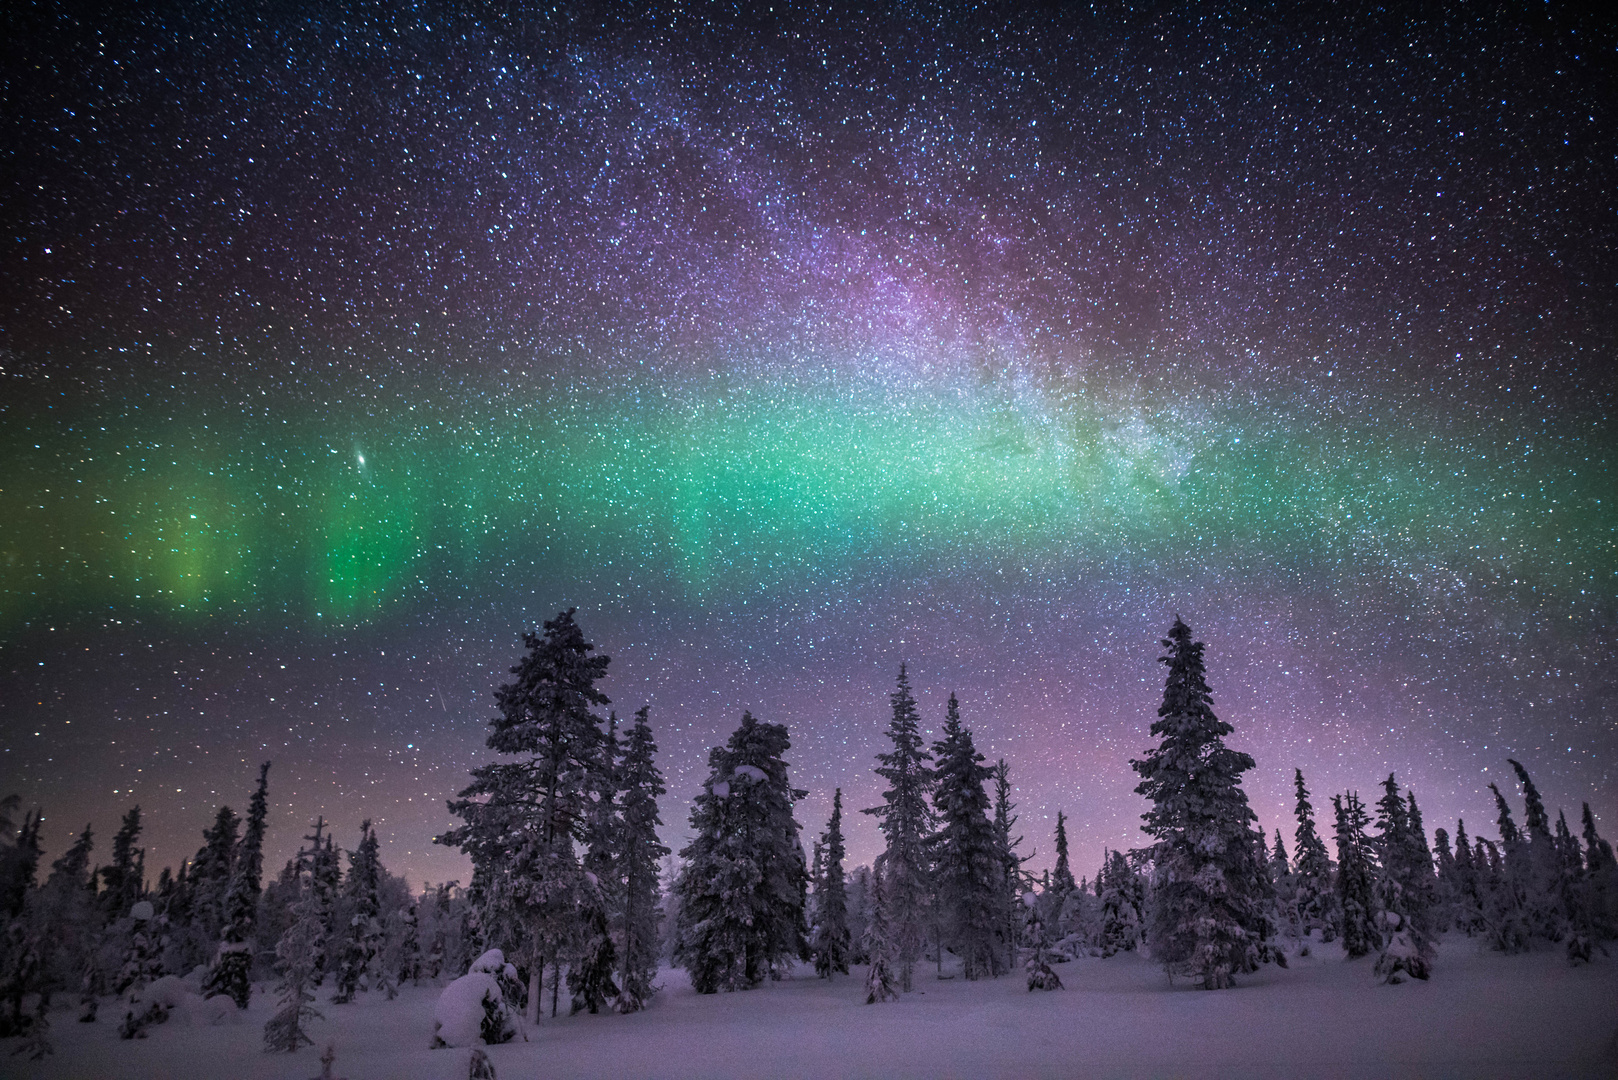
(589,976)
(1402,894)
(233,962)
(742,886)
(831,942)
(1210,886)
(1037,962)
(143,950)
(1542,900)
(1312,880)
(358,962)
(1444,882)
(1466,891)
(907,822)
(410,958)
(1570,889)
(297,957)
(968,866)
(19,856)
(1423,866)
(202,899)
(639,854)
(1062,874)
(1506,902)
(878,944)
(68,898)
(1356,900)
(121,882)
(1601,879)
(1011,874)
(1121,904)
(1280,867)
(524,814)
(326,879)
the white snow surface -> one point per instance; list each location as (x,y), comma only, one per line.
(1482,1015)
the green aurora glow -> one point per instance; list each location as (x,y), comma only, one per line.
(736,487)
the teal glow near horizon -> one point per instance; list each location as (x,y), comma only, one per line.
(742,485)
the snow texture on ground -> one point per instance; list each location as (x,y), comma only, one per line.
(1483,1015)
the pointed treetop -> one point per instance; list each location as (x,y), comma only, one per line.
(1536,820)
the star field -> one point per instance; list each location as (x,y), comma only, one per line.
(337,348)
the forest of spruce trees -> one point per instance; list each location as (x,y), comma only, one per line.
(574,901)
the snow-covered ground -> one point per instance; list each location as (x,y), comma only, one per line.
(1483,1015)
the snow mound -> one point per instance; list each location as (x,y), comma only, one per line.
(472,1009)
(751,772)
(494,963)
(219,1009)
(170,991)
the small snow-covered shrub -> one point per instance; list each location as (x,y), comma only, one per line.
(170,991)
(138,1017)
(472,1008)
(1400,954)
(479,1067)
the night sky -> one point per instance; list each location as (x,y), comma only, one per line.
(339,347)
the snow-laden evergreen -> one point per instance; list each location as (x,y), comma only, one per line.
(743,886)
(1011,873)
(1210,887)
(1403,891)
(297,957)
(1062,881)
(880,982)
(1510,877)
(590,975)
(907,822)
(359,965)
(1356,877)
(1312,871)
(1122,896)
(232,969)
(523,813)
(831,944)
(968,864)
(1037,959)
(640,852)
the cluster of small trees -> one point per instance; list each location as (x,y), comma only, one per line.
(101,933)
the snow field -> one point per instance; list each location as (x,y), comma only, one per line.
(1483,1015)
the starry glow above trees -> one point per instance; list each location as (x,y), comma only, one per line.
(339,350)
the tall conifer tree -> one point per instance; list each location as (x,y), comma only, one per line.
(524,813)
(1356,899)
(907,822)
(640,852)
(233,964)
(1062,874)
(968,863)
(1011,874)
(589,977)
(359,965)
(831,945)
(1312,868)
(742,888)
(1211,885)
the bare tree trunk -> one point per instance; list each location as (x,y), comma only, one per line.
(536,982)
